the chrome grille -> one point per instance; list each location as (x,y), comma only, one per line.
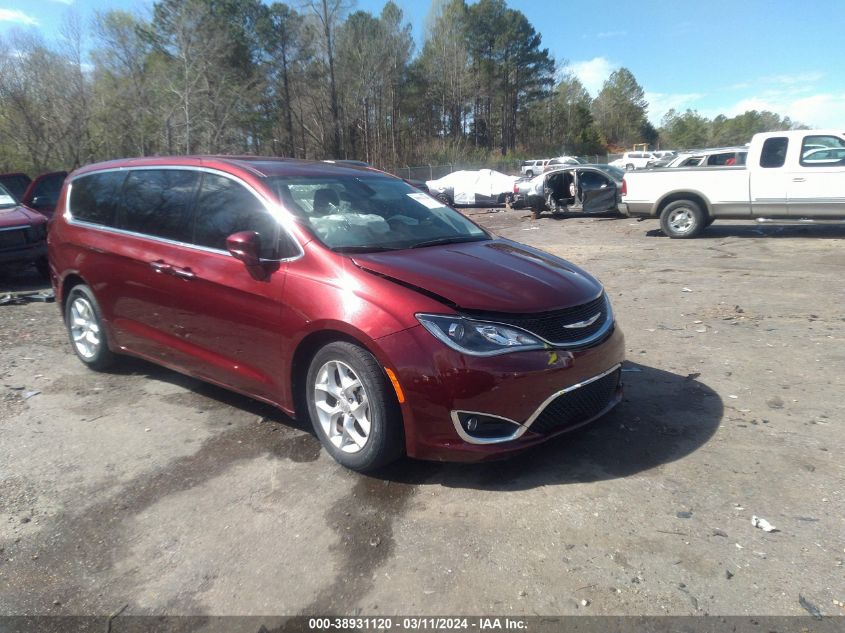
(577,406)
(551,326)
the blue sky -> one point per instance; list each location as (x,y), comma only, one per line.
(714,56)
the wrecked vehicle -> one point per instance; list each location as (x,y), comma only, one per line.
(23,234)
(470,188)
(575,189)
(339,294)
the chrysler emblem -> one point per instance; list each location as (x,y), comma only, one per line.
(585,323)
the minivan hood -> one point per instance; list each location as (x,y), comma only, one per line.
(19,216)
(491,276)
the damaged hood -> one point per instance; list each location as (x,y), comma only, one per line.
(490,276)
(19,216)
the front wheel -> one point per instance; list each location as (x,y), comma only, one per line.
(629,167)
(352,407)
(682,219)
(85,328)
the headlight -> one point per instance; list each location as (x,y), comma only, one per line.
(478,338)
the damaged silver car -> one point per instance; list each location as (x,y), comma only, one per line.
(574,189)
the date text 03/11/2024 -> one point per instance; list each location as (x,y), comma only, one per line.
(417,624)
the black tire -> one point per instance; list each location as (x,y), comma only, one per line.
(81,302)
(445,199)
(43,266)
(629,167)
(529,173)
(682,219)
(385,439)
(709,221)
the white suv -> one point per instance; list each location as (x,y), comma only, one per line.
(531,168)
(633,160)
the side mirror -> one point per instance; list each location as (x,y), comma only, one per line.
(245,246)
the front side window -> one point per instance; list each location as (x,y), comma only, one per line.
(371,213)
(158,202)
(822,151)
(590,180)
(774,152)
(224,207)
(93,198)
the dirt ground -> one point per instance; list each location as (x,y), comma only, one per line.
(144,488)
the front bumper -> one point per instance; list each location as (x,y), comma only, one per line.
(441,384)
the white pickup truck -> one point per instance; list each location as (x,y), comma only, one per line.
(785,178)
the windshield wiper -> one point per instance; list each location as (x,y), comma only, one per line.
(447,240)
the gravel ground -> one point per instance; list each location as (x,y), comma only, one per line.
(144,488)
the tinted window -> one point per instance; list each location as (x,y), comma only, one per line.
(93,197)
(158,202)
(225,207)
(774,152)
(46,191)
(15,184)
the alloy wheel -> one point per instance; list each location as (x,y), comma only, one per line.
(342,406)
(84,328)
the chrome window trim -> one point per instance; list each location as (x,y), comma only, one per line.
(270,206)
(16,228)
(522,428)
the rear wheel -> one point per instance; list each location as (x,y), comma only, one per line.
(85,328)
(529,173)
(682,219)
(352,407)
(629,167)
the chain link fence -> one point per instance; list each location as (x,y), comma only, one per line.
(512,167)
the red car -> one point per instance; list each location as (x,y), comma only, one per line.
(23,234)
(336,293)
(40,194)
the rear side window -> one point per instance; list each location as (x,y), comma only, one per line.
(93,197)
(822,151)
(225,207)
(158,202)
(774,152)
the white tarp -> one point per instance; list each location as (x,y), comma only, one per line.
(469,184)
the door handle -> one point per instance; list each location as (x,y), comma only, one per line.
(799,180)
(184,273)
(161,266)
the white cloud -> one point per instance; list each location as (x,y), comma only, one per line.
(791,80)
(659,103)
(19,17)
(822,110)
(593,73)
(610,34)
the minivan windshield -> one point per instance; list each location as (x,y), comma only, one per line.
(371,213)
(6,198)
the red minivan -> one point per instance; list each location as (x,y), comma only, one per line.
(337,293)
